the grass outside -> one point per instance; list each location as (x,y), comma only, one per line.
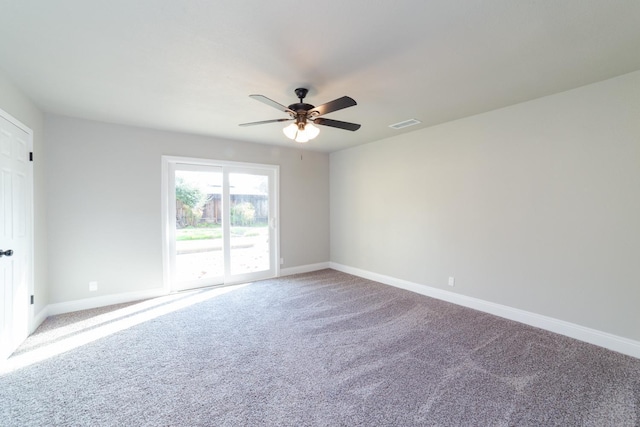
(216,233)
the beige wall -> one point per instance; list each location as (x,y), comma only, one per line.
(14,102)
(534,206)
(104,217)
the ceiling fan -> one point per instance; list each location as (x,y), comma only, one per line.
(305,115)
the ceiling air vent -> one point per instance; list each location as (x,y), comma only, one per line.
(404,124)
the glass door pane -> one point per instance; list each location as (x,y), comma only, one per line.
(249,238)
(199,250)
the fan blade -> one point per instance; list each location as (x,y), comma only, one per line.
(263,122)
(272,103)
(337,124)
(335,105)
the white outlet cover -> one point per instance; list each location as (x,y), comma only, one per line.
(93,286)
(452,281)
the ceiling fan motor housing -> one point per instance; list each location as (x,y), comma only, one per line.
(301,108)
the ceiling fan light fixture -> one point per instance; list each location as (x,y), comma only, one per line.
(291,131)
(302,137)
(311,130)
(301,132)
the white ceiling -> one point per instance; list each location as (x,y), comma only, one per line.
(190,65)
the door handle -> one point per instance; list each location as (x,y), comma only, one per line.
(8,252)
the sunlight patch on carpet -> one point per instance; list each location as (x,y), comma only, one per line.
(72,336)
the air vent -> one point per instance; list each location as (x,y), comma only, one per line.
(405,124)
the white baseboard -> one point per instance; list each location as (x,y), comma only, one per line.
(88,303)
(38,319)
(102,301)
(572,330)
(303,269)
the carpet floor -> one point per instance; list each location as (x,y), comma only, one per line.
(317,349)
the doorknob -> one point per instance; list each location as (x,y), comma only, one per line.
(8,252)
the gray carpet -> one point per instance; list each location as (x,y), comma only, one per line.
(318,349)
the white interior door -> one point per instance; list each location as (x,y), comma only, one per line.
(15,235)
(221,219)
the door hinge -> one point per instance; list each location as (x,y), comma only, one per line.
(31,156)
(32,299)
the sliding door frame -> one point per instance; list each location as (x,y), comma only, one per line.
(168,213)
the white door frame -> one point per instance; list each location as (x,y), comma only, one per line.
(168,212)
(29,222)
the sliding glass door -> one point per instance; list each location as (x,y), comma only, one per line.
(221,222)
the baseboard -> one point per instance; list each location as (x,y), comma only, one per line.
(38,319)
(303,269)
(572,330)
(102,301)
(88,303)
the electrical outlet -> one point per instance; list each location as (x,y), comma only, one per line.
(93,286)
(281,261)
(452,281)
